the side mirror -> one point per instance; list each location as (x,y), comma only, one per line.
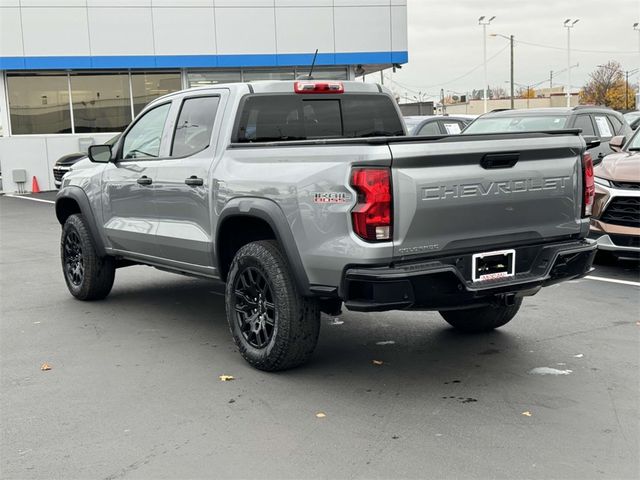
(591,141)
(616,143)
(100,153)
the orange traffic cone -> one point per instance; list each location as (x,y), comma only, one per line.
(34,186)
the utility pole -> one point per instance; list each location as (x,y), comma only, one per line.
(511,41)
(626,90)
(511,96)
(484,23)
(569,24)
(550,81)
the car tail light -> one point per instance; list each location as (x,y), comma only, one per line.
(318,87)
(588,185)
(372,215)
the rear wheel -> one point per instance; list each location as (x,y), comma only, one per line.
(481,319)
(88,276)
(274,327)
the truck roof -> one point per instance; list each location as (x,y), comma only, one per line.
(283,86)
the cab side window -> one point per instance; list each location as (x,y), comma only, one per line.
(143,140)
(584,122)
(194,126)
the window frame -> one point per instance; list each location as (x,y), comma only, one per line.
(177,118)
(119,158)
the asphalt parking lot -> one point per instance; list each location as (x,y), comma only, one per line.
(134,387)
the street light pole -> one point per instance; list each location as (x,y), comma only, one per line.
(511,41)
(484,23)
(569,24)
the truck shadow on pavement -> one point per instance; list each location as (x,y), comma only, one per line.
(390,345)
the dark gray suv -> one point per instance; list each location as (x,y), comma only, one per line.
(600,122)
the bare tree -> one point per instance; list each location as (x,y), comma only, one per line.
(601,81)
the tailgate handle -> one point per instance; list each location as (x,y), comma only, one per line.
(499,160)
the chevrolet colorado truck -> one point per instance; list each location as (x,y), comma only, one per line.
(305,196)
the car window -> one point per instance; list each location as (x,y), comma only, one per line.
(452,127)
(616,123)
(584,122)
(143,140)
(265,118)
(512,123)
(604,127)
(430,128)
(194,125)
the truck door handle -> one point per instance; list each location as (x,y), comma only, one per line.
(194,181)
(144,180)
(499,160)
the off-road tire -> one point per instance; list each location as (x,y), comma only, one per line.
(98,272)
(481,319)
(296,324)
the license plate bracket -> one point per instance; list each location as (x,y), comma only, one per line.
(493,265)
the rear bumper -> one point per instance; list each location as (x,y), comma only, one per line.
(445,283)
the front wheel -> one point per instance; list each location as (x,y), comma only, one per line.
(88,276)
(481,319)
(274,327)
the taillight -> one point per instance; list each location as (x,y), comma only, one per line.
(372,214)
(318,87)
(588,185)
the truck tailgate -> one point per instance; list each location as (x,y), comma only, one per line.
(467,193)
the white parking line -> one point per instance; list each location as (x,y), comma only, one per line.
(30,198)
(614,280)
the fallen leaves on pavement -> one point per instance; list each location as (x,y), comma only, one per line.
(377,362)
(45,366)
(226,378)
(527,413)
(321,415)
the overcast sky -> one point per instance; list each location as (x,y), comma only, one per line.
(445,41)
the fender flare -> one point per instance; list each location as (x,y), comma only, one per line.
(272,214)
(80,197)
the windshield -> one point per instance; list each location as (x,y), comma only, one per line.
(634,143)
(525,123)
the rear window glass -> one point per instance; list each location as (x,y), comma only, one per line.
(517,124)
(269,118)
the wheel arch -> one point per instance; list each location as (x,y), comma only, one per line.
(260,214)
(72,200)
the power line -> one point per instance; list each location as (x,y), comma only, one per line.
(553,47)
(441,84)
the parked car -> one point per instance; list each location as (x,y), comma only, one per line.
(633,119)
(435,124)
(615,223)
(305,196)
(600,122)
(64,164)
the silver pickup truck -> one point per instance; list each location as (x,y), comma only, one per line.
(306,195)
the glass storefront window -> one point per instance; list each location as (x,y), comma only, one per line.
(267,74)
(320,73)
(149,86)
(101,102)
(38,104)
(205,78)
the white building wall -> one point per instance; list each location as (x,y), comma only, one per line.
(99,28)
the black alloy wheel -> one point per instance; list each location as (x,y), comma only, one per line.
(73,258)
(255,310)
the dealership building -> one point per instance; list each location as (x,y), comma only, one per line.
(76,72)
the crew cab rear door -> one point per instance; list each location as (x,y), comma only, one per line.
(476,192)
